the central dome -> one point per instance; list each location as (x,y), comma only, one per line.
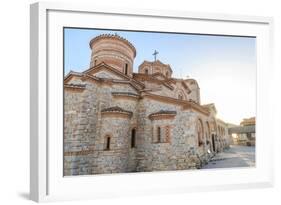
(113,50)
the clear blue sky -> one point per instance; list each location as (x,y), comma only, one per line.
(224,66)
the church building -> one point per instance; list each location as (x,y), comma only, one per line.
(119,121)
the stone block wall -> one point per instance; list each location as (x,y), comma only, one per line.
(178,152)
(86,130)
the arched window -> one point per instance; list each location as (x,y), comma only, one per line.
(180,94)
(200,132)
(158,134)
(95,62)
(126,69)
(146,71)
(107,142)
(133,138)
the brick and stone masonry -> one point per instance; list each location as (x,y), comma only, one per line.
(117,121)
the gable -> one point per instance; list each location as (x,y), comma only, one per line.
(106,74)
(103,71)
(72,77)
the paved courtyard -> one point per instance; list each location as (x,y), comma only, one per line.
(235,156)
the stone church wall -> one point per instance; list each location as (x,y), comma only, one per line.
(85,131)
(116,158)
(179,152)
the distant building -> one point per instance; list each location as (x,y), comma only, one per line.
(245,134)
(118,121)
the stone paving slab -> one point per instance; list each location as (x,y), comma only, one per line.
(235,156)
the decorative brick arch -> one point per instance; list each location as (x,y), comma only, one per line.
(180,92)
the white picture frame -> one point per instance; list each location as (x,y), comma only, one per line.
(46,179)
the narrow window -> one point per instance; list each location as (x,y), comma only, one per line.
(95,63)
(126,69)
(158,134)
(133,138)
(180,96)
(167,74)
(146,71)
(107,145)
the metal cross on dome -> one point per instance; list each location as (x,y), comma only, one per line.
(155,54)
